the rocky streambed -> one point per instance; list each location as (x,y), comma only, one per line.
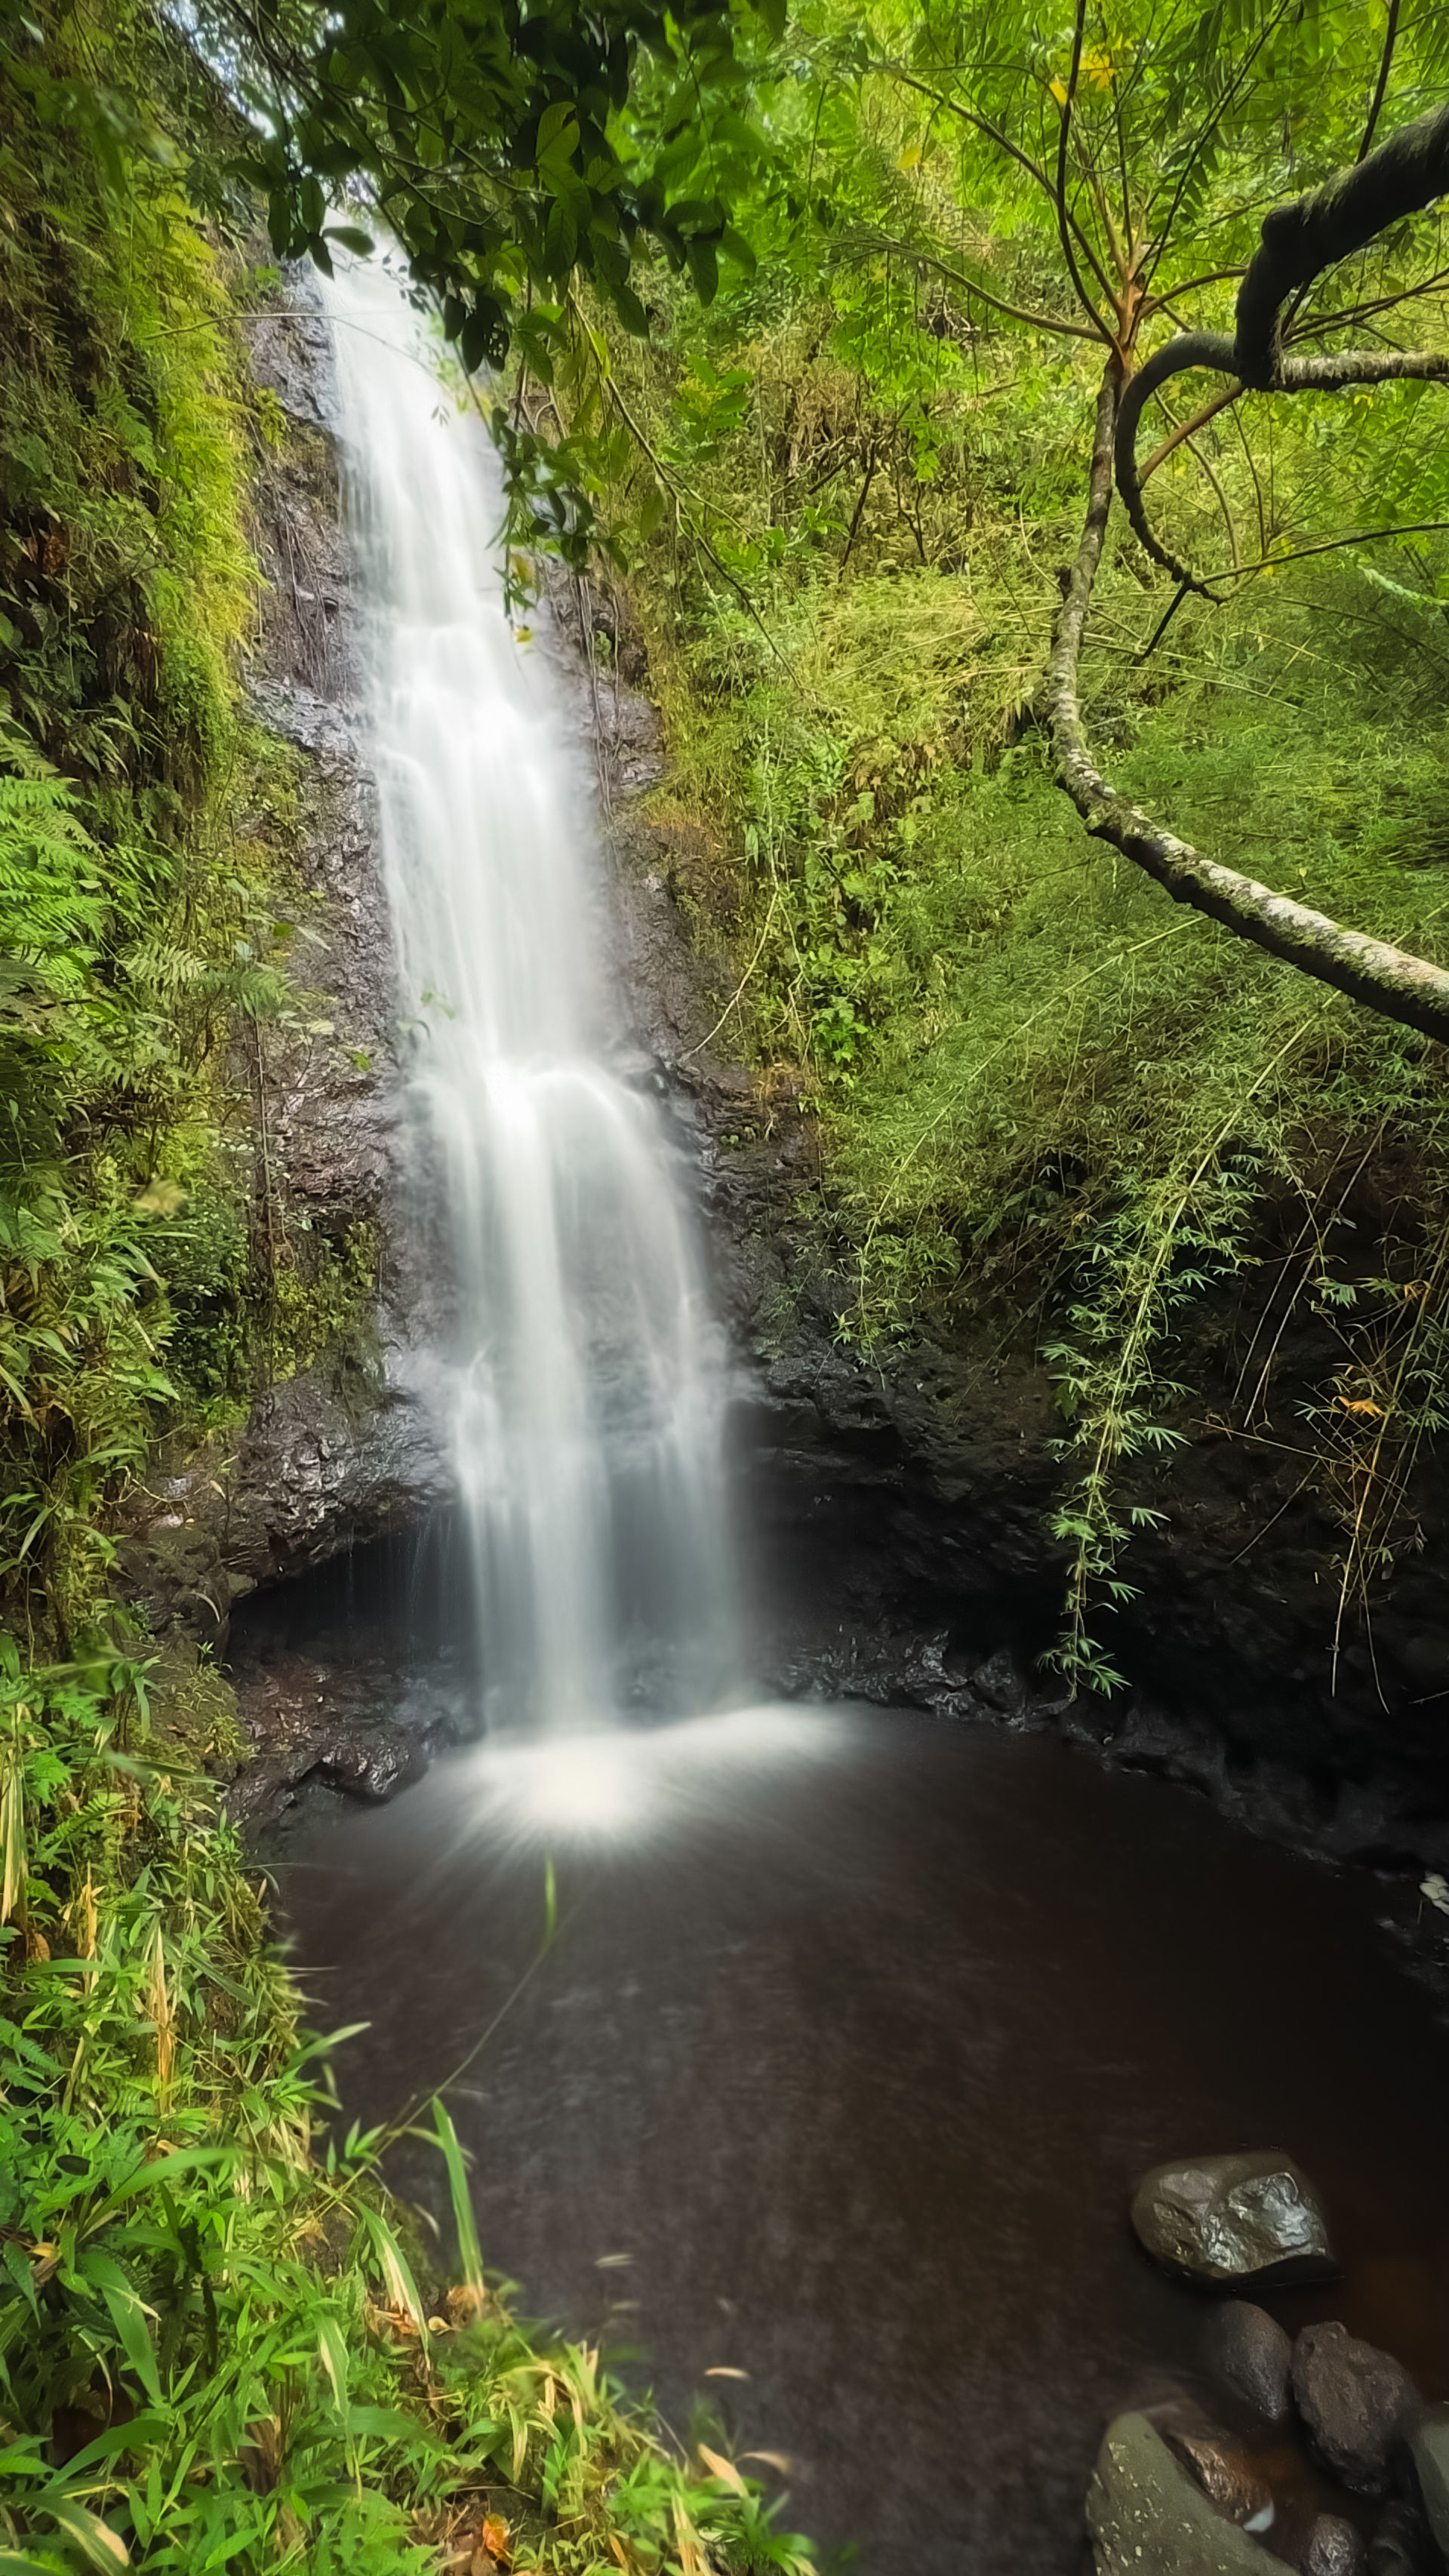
(1323,2455)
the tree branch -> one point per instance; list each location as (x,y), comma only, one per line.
(980,124)
(1214,350)
(1313,232)
(1399,987)
(1066,223)
(1385,59)
(1189,428)
(875,241)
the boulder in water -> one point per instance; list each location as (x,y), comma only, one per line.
(1401,2545)
(1234,2218)
(1248,2351)
(1148,2517)
(1353,2400)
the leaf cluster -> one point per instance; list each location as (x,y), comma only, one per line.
(489,138)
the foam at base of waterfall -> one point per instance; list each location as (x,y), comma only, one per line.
(631,1783)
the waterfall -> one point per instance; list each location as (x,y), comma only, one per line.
(583,1384)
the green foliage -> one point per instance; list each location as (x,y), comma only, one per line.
(497,156)
(1057,1110)
(142,822)
(214,2346)
(220,2344)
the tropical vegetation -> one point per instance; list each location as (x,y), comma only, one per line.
(819,351)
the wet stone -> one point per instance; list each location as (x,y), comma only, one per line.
(1148,2517)
(1001,1682)
(1250,2354)
(1333,2548)
(1353,2400)
(1228,2475)
(1429,2452)
(372,1771)
(1401,2544)
(1234,2218)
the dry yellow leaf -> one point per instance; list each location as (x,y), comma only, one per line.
(719,2467)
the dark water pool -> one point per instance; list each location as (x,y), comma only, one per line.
(856,2033)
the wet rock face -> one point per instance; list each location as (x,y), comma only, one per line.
(1354,2400)
(1149,2517)
(1250,2354)
(348,1444)
(1401,2543)
(1224,2219)
(355,1731)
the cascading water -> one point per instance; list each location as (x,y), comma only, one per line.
(584,1388)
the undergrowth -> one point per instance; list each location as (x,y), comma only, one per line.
(1060,1115)
(221,2343)
(152,1277)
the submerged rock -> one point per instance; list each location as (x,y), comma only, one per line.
(1353,2400)
(1249,2352)
(1429,2452)
(1148,2517)
(1234,2218)
(1401,2545)
(1228,2474)
(1333,2548)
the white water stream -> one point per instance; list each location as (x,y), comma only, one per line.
(584,1386)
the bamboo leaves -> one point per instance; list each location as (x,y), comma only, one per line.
(469,2252)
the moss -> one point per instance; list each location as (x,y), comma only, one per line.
(322,1297)
(1057,1114)
(192,1709)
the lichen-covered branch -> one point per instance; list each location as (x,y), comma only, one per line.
(1386,979)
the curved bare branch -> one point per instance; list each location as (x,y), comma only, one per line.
(1299,240)
(1207,349)
(1214,350)
(1402,988)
